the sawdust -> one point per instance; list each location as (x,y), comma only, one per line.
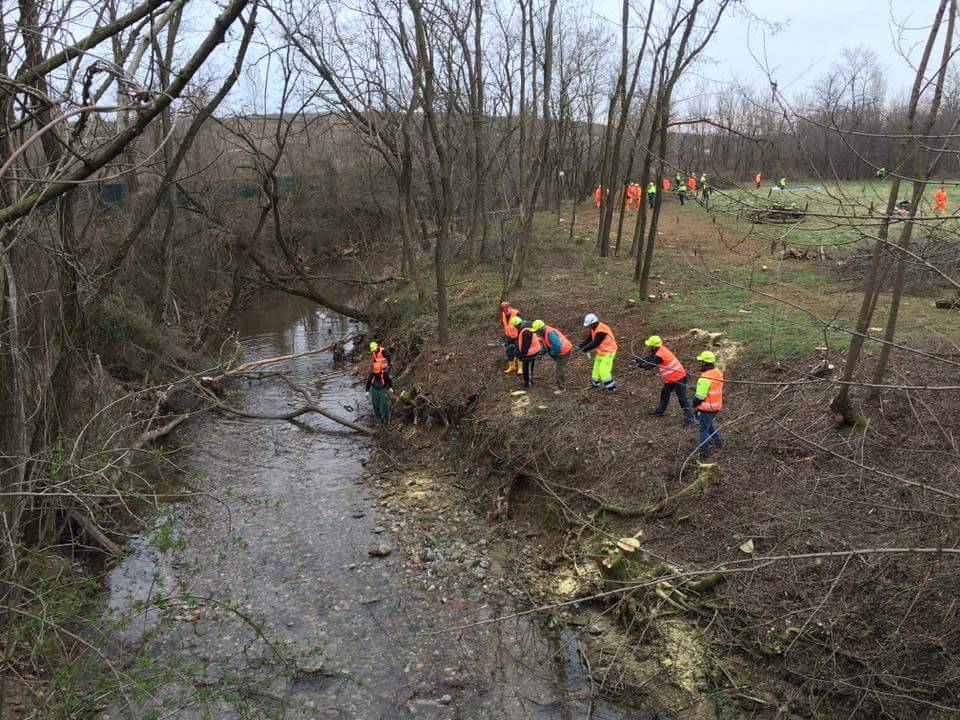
(727,350)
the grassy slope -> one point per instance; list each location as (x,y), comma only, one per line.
(711,266)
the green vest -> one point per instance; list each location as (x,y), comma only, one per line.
(652,188)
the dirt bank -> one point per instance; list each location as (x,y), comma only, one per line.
(816,607)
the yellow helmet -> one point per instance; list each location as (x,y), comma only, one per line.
(653,341)
(373,347)
(707,356)
(538,325)
(516,321)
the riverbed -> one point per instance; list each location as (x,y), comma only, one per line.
(260,598)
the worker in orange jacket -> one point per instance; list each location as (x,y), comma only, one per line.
(603,343)
(665,185)
(528,348)
(673,374)
(708,401)
(940,201)
(597,194)
(757,178)
(507,314)
(692,184)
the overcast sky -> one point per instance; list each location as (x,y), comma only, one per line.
(813,35)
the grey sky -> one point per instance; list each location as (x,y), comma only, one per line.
(813,35)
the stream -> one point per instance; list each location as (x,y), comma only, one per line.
(296,619)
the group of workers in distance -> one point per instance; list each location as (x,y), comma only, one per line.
(524,342)
(632,192)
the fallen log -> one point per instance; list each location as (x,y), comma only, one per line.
(294,414)
(705,474)
(948,304)
(310,406)
(90,527)
(253,364)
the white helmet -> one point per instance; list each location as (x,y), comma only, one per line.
(590,319)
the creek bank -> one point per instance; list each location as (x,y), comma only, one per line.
(525,565)
(290,590)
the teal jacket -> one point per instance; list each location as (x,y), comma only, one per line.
(554,340)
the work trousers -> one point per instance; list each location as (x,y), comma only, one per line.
(708,434)
(381,404)
(651,199)
(682,197)
(603,371)
(706,198)
(528,363)
(560,368)
(510,348)
(679,389)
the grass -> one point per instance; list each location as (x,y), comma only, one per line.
(782,309)
(847,213)
(766,327)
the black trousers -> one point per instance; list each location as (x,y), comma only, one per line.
(680,390)
(528,370)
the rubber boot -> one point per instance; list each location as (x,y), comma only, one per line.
(519,367)
(510,366)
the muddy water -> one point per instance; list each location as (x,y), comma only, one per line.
(296,620)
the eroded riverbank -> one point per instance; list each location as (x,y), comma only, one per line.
(264,600)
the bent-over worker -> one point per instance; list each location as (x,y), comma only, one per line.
(603,343)
(528,349)
(379,383)
(558,347)
(708,400)
(673,374)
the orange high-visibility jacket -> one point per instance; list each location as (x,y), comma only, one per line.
(665,184)
(714,400)
(609,344)
(534,348)
(670,369)
(940,199)
(757,177)
(692,183)
(509,330)
(565,345)
(380,364)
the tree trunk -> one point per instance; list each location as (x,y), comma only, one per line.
(906,235)
(840,405)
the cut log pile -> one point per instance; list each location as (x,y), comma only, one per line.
(773,214)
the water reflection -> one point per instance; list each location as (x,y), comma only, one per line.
(293,568)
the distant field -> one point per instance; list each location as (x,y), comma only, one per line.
(841,216)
